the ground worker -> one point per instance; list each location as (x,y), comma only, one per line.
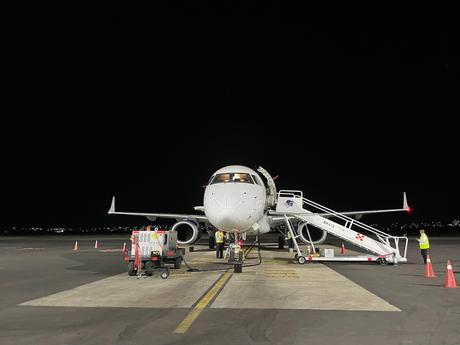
(219,244)
(424,245)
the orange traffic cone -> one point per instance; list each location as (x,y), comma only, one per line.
(75,247)
(429,268)
(342,251)
(96,245)
(450,277)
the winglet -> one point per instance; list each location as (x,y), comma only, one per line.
(406,206)
(112,206)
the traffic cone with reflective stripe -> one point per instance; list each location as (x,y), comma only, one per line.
(450,277)
(75,247)
(342,251)
(96,245)
(429,268)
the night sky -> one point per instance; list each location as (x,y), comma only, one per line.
(351,105)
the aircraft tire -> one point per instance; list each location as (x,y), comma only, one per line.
(280,242)
(177,262)
(211,242)
(238,268)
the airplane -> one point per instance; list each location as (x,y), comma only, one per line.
(238,202)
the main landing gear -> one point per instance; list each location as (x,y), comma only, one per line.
(281,242)
(211,242)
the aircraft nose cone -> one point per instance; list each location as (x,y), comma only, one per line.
(235,215)
(228,218)
(230,210)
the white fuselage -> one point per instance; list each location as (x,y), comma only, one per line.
(232,205)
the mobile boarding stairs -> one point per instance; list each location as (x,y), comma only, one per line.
(383,248)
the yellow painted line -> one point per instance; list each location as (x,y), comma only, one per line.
(248,250)
(187,322)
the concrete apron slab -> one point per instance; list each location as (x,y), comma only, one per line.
(124,292)
(278,283)
(311,286)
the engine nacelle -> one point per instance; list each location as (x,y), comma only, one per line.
(187,232)
(318,236)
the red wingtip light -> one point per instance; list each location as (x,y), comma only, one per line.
(409,210)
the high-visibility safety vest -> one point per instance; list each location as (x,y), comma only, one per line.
(423,242)
(219,237)
(289,235)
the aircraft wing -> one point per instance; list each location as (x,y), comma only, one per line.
(154,216)
(405,207)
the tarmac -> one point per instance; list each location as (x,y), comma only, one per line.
(51,294)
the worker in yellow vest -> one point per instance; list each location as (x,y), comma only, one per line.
(219,244)
(424,244)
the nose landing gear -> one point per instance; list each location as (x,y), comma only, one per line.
(236,254)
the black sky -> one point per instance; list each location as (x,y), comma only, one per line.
(351,105)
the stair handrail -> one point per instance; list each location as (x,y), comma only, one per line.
(299,194)
(345,217)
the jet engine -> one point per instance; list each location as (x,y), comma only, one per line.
(318,236)
(187,232)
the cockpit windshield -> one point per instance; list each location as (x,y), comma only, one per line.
(232,177)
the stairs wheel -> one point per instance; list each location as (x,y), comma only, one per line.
(301,260)
(382,261)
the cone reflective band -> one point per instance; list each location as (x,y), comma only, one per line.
(450,277)
(429,272)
